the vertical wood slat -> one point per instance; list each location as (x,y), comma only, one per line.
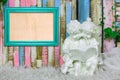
(16,3)
(21,49)
(5,49)
(57,48)
(27,48)
(8,52)
(62,27)
(33,56)
(28,3)
(16,49)
(74,10)
(96,11)
(117,12)
(11,3)
(44,48)
(51,58)
(96,16)
(21,56)
(33,49)
(44,56)
(62,23)
(22,3)
(44,3)
(27,57)
(109,18)
(16,59)
(1,38)
(33,2)
(39,56)
(83,10)
(68,14)
(39,48)
(39,3)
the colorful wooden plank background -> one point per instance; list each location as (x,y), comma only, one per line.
(43,55)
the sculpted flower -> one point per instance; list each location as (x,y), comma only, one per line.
(73,27)
(88,26)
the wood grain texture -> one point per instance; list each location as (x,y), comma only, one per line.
(28,3)
(83,10)
(50,3)
(10,49)
(31,27)
(44,56)
(57,48)
(27,57)
(17,3)
(33,2)
(16,59)
(96,11)
(39,49)
(51,57)
(11,3)
(74,9)
(1,38)
(68,14)
(109,15)
(62,24)
(96,15)
(39,3)
(57,55)
(16,49)
(33,57)
(45,48)
(22,3)
(10,53)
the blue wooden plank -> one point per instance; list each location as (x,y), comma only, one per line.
(21,56)
(44,3)
(83,10)
(68,14)
(118,24)
(117,0)
(57,4)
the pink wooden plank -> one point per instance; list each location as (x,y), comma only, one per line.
(33,2)
(22,3)
(27,57)
(28,3)
(57,55)
(16,59)
(108,13)
(44,56)
(11,3)
(27,49)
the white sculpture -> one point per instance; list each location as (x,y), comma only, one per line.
(80,49)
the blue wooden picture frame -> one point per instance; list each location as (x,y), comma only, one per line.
(8,42)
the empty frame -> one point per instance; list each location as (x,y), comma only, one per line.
(31,26)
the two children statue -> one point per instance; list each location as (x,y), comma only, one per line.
(80,50)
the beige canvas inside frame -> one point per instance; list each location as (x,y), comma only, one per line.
(31,27)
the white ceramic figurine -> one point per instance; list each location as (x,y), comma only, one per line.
(80,49)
